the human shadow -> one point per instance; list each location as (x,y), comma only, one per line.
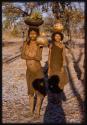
(54,112)
(39,86)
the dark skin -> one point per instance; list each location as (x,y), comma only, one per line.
(58,43)
(57,38)
(32,63)
(33,35)
(33,66)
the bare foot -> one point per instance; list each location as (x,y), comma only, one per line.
(30,114)
(36,116)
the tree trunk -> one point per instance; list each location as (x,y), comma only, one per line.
(55,9)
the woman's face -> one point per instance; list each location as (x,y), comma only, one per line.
(57,38)
(33,35)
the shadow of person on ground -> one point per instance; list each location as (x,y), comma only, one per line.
(39,85)
(54,112)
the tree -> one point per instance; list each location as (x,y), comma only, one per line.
(70,16)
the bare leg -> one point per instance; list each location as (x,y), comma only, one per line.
(31,104)
(38,106)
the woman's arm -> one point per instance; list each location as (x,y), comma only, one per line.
(64,59)
(64,56)
(49,55)
(23,56)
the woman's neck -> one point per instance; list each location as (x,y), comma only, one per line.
(33,41)
(58,44)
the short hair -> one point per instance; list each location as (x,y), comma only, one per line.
(53,35)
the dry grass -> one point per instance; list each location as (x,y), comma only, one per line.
(8,37)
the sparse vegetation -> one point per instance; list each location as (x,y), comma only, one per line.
(71,17)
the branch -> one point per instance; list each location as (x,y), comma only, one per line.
(15,9)
(24,12)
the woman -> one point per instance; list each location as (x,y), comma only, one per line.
(57,63)
(32,53)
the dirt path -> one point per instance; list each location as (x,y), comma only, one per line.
(16,102)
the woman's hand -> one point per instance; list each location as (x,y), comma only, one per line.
(62,70)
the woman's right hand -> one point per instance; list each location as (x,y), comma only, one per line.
(49,71)
(62,70)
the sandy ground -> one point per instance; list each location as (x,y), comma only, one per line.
(15,107)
